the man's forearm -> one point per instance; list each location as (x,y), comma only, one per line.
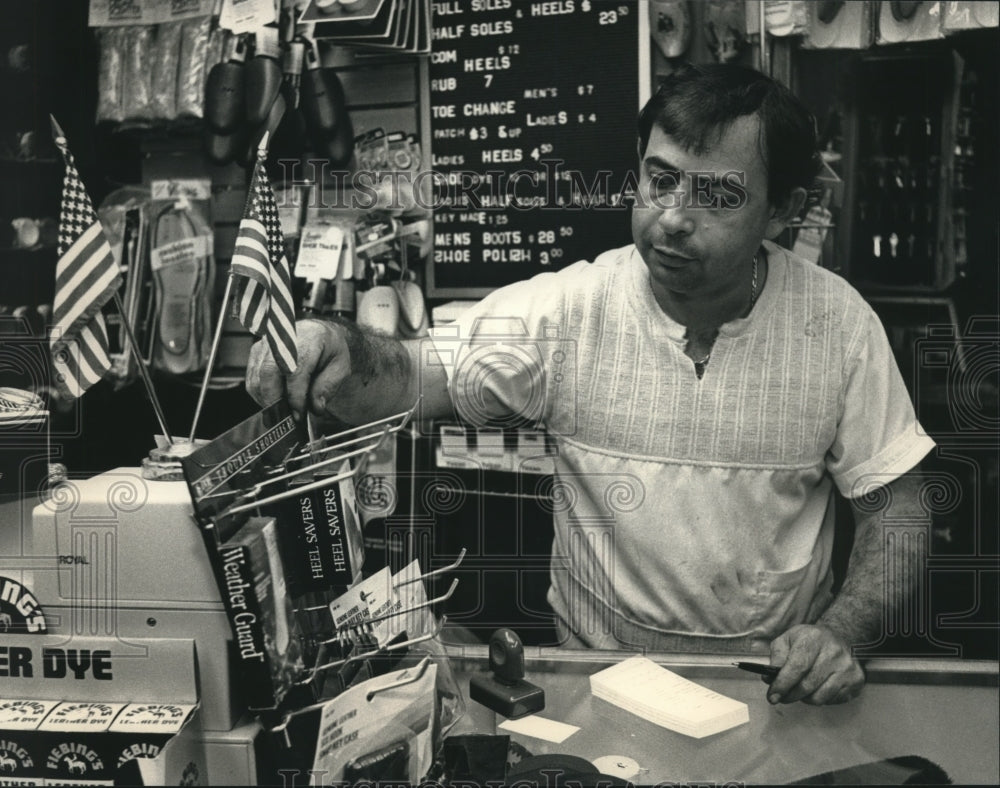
(856,614)
(871,595)
(382,381)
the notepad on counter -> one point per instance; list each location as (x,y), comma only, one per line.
(654,693)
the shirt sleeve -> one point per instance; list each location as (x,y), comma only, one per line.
(496,355)
(878,436)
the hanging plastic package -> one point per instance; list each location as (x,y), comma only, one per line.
(164,69)
(224,90)
(324,105)
(137,87)
(124,214)
(182,263)
(218,40)
(195,37)
(416,620)
(289,138)
(225,130)
(110,71)
(263,77)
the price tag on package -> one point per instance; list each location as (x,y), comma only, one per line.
(319,252)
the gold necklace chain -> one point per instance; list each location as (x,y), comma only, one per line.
(700,365)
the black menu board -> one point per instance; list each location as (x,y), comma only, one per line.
(533,134)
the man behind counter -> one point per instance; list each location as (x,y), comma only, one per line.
(724,385)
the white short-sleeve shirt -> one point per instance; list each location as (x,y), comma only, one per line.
(689,512)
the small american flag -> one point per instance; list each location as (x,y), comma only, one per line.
(265,305)
(86,278)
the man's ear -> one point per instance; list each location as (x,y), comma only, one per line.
(783,214)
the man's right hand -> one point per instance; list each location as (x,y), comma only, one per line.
(324,363)
(817,667)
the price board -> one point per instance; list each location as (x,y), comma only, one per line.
(533,136)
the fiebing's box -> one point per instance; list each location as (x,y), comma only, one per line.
(25,450)
(77,711)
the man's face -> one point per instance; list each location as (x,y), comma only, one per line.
(699,219)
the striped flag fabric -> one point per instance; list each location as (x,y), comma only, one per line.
(265,306)
(87,276)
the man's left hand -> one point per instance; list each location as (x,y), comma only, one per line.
(816,667)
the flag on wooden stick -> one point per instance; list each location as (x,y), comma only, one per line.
(87,276)
(265,305)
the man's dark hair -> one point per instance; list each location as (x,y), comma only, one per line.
(696,105)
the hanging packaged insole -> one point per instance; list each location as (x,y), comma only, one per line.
(183,269)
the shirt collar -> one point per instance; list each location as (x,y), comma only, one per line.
(662,324)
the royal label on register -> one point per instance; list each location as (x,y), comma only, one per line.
(654,693)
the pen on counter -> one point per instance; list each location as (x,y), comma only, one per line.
(767,671)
